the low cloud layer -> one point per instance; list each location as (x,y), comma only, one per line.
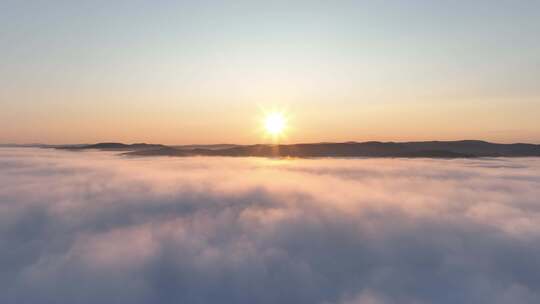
(97,228)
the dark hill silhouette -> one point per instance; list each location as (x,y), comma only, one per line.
(435,149)
(208,147)
(114,147)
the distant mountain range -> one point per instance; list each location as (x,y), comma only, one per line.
(113,147)
(431,149)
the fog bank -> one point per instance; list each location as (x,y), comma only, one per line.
(93,227)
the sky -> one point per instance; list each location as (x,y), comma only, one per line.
(194,72)
(92,227)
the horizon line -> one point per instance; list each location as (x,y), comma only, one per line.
(254,144)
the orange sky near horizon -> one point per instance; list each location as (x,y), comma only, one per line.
(243,124)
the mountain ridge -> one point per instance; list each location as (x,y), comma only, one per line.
(435,149)
(429,149)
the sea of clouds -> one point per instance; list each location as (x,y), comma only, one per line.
(95,227)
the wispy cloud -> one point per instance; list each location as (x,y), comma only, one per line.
(97,228)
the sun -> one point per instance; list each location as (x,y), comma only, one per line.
(275,123)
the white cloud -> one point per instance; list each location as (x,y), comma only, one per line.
(94,227)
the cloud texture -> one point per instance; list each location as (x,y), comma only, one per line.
(93,227)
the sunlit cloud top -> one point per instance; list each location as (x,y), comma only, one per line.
(89,227)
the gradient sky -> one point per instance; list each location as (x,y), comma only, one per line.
(204,71)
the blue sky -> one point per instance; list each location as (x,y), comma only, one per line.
(75,71)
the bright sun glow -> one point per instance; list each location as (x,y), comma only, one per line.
(274,123)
